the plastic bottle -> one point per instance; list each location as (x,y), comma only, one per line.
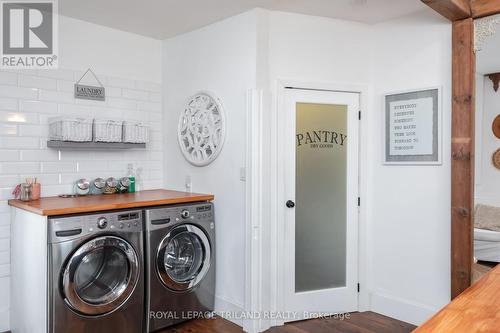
(131,176)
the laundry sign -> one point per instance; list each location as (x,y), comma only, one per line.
(94,93)
(89,92)
(412,127)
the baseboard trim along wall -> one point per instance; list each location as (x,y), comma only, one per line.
(229,310)
(410,312)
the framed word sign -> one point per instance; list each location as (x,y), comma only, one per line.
(413,127)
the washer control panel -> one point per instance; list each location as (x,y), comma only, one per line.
(71,227)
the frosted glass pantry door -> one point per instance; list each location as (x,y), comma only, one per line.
(321,201)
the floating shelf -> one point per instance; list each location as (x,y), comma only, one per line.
(93,145)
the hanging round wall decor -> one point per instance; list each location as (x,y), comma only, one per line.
(201,130)
(496,159)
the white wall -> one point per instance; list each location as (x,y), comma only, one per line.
(487,176)
(405,215)
(129,66)
(410,205)
(220,58)
(405,225)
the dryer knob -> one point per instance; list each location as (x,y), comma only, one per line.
(185,214)
(102,223)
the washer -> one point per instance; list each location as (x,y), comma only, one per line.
(96,273)
(180,244)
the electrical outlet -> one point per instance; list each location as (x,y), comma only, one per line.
(243,174)
(188,184)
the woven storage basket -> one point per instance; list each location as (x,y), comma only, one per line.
(107,130)
(70,129)
(135,132)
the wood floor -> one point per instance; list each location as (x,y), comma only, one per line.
(480,268)
(359,322)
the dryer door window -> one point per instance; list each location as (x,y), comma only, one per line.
(100,275)
(183,257)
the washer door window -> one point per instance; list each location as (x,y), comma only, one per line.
(100,275)
(183,258)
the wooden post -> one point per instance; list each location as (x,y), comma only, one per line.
(462,163)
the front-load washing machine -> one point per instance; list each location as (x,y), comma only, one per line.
(180,263)
(96,273)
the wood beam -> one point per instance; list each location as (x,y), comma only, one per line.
(481,8)
(462,146)
(453,10)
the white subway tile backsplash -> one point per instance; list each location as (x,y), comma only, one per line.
(15,142)
(4,270)
(54,190)
(149,106)
(34,130)
(9,155)
(6,129)
(8,78)
(40,155)
(4,245)
(4,257)
(135,94)
(59,167)
(148,86)
(4,231)
(155,97)
(37,82)
(28,99)
(8,181)
(45,179)
(19,117)
(37,106)
(13,168)
(60,74)
(113,91)
(68,86)
(120,82)
(56,96)
(74,110)
(18,92)
(122,103)
(8,104)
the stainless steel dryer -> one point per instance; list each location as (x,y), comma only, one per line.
(180,245)
(96,273)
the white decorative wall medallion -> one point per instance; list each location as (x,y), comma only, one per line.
(484,28)
(201,129)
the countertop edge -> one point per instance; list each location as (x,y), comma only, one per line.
(109,206)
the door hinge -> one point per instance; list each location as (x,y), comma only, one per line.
(359,115)
(359,201)
(358,287)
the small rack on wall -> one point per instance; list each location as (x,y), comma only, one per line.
(93,145)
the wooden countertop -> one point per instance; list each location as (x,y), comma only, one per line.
(477,309)
(51,206)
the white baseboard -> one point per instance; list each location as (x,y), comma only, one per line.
(394,307)
(4,320)
(229,310)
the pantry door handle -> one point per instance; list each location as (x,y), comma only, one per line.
(290,204)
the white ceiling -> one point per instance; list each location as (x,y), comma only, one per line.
(488,59)
(166,18)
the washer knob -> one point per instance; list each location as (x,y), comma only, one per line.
(102,222)
(185,214)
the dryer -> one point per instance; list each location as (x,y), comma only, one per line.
(180,263)
(96,273)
